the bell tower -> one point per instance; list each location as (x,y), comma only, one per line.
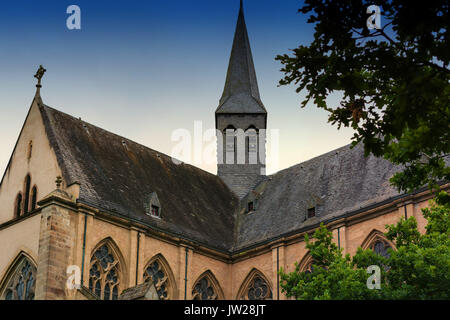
(241,119)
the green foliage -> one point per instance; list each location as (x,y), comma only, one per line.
(419,268)
(394,81)
(334,276)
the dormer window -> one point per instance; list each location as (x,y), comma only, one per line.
(250,206)
(152,206)
(155,211)
(311,212)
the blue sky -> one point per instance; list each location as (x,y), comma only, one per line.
(143,69)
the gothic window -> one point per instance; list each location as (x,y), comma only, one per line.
(22,283)
(27,194)
(381,247)
(256,288)
(259,290)
(18,205)
(204,290)
(33,198)
(306,264)
(155,272)
(309,267)
(377,242)
(104,274)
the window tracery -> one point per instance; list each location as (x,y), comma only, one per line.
(257,288)
(104,274)
(21,285)
(204,290)
(156,273)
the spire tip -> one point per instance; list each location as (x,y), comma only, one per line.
(39,74)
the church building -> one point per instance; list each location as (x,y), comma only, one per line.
(83,206)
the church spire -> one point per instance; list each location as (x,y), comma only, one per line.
(241,94)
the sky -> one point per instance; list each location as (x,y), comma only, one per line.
(144,69)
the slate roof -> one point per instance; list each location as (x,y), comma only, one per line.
(118,175)
(335,183)
(241,94)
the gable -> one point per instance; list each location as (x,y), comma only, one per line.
(117,176)
(42,166)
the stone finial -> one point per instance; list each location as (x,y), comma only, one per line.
(39,74)
(58,182)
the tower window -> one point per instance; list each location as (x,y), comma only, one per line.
(251,141)
(311,212)
(155,211)
(230,145)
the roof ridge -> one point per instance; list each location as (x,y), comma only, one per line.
(122,137)
(310,160)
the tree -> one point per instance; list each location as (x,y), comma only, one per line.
(394,80)
(333,275)
(419,268)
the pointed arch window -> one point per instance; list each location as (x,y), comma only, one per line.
(19,205)
(22,282)
(207,288)
(259,289)
(203,290)
(157,272)
(104,276)
(27,194)
(307,264)
(33,198)
(256,287)
(309,268)
(377,242)
(381,247)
